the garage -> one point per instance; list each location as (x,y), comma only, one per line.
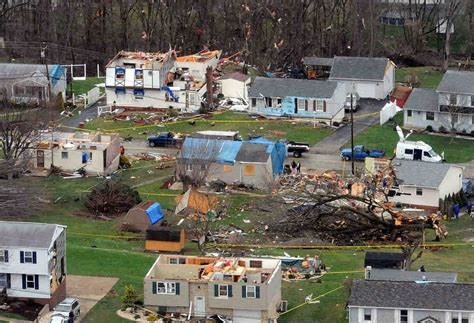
(246,316)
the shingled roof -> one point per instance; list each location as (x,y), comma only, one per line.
(420,173)
(422,100)
(26,234)
(460,82)
(283,87)
(406,295)
(359,68)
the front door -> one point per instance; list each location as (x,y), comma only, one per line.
(40,158)
(199,306)
(296,106)
(417,154)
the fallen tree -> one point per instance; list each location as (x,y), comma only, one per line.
(111,197)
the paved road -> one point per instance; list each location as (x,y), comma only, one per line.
(333,143)
(87,113)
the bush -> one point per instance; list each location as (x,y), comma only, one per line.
(171,112)
(429,128)
(112,196)
(442,129)
(130,297)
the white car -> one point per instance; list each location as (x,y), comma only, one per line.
(58,318)
(67,306)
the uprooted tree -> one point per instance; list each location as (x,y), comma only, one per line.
(327,209)
(111,197)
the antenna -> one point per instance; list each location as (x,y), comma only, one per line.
(400,134)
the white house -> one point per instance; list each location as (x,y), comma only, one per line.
(235,85)
(195,65)
(423,184)
(372,77)
(33,261)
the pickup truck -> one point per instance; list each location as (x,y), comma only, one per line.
(163,139)
(360,153)
(297,148)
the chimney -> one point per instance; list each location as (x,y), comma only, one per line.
(368,270)
(209,94)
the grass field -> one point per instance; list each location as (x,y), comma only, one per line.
(428,76)
(385,137)
(227,121)
(81,87)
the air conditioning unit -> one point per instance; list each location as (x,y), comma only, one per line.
(284,306)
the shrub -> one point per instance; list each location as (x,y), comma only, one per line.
(429,128)
(129,297)
(335,124)
(442,129)
(171,112)
(112,196)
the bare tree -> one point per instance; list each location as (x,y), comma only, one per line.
(452,9)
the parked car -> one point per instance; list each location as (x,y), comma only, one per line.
(360,153)
(58,318)
(163,139)
(67,306)
(355,102)
(297,148)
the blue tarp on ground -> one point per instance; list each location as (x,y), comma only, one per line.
(206,149)
(277,150)
(155,213)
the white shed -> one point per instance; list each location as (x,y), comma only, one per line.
(235,85)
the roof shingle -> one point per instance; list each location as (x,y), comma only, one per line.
(422,100)
(283,87)
(26,234)
(420,173)
(461,82)
(359,68)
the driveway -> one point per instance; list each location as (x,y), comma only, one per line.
(88,290)
(87,113)
(333,143)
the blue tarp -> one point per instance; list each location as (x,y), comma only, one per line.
(277,150)
(155,213)
(57,73)
(223,151)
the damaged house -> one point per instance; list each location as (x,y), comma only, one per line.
(96,153)
(247,290)
(255,163)
(423,184)
(320,100)
(33,268)
(28,83)
(450,105)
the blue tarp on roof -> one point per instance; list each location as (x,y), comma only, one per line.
(155,213)
(198,148)
(277,150)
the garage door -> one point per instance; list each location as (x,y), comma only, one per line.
(243,316)
(367,90)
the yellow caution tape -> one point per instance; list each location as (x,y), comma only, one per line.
(391,246)
(312,300)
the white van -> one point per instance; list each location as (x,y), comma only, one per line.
(415,150)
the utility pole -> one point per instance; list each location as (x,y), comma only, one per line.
(48,100)
(352,134)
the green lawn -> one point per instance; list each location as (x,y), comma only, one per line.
(81,87)
(385,137)
(227,121)
(428,76)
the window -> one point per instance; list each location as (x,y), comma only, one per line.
(173,261)
(409,113)
(3,255)
(3,280)
(249,170)
(455,320)
(455,118)
(279,102)
(255,264)
(472,100)
(409,151)
(367,314)
(227,168)
(268,102)
(472,119)
(403,316)
(301,103)
(90,156)
(254,102)
(223,291)
(28,257)
(188,167)
(426,154)
(250,292)
(165,288)
(430,116)
(319,105)
(419,191)
(30,281)
(453,99)
(64,155)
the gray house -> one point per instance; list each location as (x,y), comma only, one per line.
(452,102)
(407,275)
(248,290)
(411,302)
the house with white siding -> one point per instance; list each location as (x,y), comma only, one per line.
(33,261)
(423,184)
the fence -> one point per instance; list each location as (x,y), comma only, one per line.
(388,111)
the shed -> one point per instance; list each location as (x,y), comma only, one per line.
(167,239)
(195,202)
(385,260)
(234,85)
(141,216)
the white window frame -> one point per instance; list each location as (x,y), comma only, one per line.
(472,100)
(167,288)
(3,280)
(300,104)
(367,311)
(247,291)
(188,167)
(30,281)
(320,105)
(221,293)
(407,316)
(2,255)
(419,191)
(409,113)
(173,261)
(64,155)
(28,255)
(430,114)
(451,97)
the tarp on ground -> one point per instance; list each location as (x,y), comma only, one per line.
(220,151)
(155,213)
(194,201)
(277,150)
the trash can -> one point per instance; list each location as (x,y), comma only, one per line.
(81,125)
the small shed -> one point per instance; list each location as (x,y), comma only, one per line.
(393,260)
(234,85)
(165,239)
(195,202)
(143,215)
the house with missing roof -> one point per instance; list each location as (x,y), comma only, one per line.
(320,100)
(256,162)
(235,85)
(33,261)
(28,83)
(452,101)
(245,290)
(382,301)
(370,77)
(423,184)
